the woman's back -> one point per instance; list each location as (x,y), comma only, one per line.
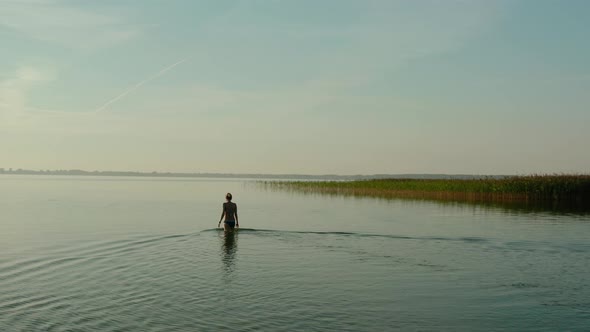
(230,209)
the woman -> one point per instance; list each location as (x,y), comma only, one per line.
(230,211)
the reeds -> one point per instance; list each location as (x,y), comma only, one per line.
(532,188)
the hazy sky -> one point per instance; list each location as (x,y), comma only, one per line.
(314,87)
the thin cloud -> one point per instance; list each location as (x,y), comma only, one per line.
(138,85)
(62,23)
(14,90)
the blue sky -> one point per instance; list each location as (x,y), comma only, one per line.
(315,87)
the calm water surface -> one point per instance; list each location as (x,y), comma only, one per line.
(141,254)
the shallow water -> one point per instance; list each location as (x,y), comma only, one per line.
(140,254)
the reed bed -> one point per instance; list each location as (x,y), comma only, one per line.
(532,188)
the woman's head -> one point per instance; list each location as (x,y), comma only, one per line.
(228,197)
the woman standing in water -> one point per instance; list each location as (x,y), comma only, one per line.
(230,211)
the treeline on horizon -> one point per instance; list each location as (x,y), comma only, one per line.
(78,172)
(556,188)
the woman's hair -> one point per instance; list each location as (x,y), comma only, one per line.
(228,196)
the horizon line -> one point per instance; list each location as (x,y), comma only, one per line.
(4,170)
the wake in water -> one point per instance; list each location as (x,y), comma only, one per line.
(353,234)
(176,281)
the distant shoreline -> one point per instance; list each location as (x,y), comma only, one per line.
(335,177)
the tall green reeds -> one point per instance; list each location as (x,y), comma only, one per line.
(540,188)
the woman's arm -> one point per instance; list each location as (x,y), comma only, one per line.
(222,214)
(236,214)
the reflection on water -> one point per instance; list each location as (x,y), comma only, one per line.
(513,208)
(228,251)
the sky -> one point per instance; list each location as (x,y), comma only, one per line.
(304,87)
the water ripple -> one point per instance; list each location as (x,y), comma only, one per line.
(254,280)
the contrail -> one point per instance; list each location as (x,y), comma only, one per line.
(136,86)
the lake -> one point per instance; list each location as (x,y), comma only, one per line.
(143,254)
